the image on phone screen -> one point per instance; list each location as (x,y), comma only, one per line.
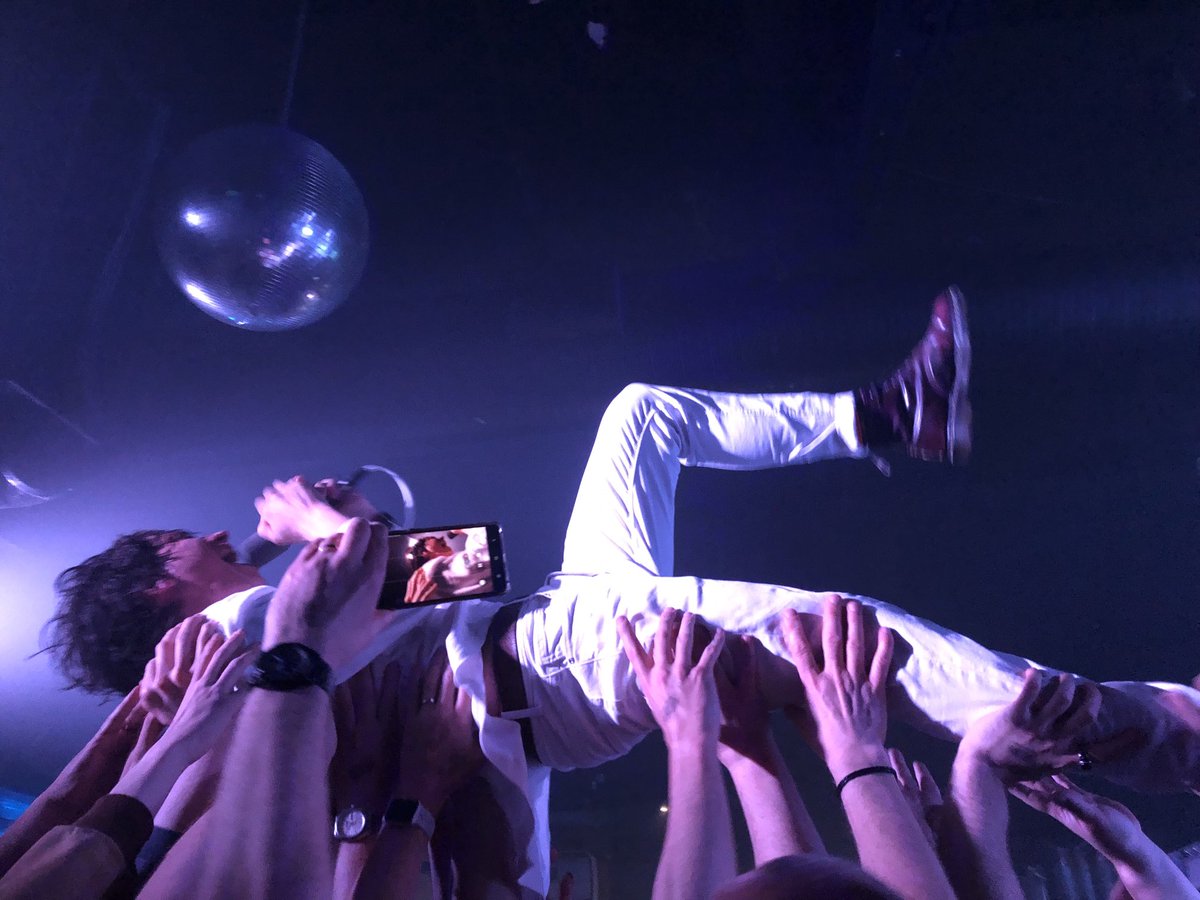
(453,562)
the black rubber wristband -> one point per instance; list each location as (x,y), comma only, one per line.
(869,770)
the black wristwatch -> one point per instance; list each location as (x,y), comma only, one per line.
(290,667)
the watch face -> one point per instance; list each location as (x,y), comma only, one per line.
(288,667)
(290,661)
(353,822)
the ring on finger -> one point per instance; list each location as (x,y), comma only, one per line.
(1085,761)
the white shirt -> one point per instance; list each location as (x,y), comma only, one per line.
(462,626)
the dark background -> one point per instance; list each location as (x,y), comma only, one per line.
(757,195)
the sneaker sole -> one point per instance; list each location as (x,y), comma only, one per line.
(958,421)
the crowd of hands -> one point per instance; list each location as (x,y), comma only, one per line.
(914,840)
(260,793)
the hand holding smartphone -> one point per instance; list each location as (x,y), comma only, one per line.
(427,566)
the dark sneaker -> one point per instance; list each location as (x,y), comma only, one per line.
(923,405)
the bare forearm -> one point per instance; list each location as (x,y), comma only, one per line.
(697,854)
(85,779)
(46,812)
(891,845)
(975,833)
(153,776)
(281,749)
(194,792)
(270,820)
(1150,875)
(776,817)
(393,864)
(349,860)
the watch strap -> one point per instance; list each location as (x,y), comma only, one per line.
(291,667)
(410,812)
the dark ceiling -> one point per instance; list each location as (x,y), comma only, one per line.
(755,195)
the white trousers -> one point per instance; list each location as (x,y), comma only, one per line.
(585,707)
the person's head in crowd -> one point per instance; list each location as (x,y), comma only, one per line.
(811,875)
(115,606)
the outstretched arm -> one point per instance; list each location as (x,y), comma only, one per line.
(845,694)
(438,753)
(1035,734)
(975,832)
(86,778)
(269,823)
(778,821)
(1145,871)
(697,855)
(294,511)
(84,860)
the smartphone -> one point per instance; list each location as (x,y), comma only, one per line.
(451,562)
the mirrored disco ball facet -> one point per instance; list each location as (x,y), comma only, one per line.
(262,228)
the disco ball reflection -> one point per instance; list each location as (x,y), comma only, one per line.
(262,228)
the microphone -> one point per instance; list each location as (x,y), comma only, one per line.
(258,551)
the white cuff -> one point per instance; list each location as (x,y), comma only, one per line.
(845,422)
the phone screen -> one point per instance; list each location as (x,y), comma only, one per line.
(454,562)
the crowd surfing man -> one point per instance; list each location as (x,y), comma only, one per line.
(550,685)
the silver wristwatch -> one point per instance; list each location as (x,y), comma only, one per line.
(354,824)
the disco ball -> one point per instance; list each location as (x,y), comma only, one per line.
(262,228)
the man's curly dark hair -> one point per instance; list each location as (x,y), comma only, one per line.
(105,627)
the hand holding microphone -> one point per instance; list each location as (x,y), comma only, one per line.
(293,511)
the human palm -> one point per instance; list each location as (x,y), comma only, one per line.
(1104,823)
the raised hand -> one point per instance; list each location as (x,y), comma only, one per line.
(922,793)
(345,499)
(86,778)
(206,711)
(776,818)
(682,695)
(439,747)
(96,768)
(294,511)
(360,773)
(327,598)
(214,693)
(1042,730)
(846,688)
(745,716)
(169,672)
(1107,825)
